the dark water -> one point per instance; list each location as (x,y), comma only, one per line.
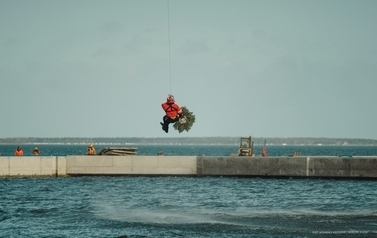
(188,206)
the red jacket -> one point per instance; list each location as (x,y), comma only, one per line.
(19,152)
(171,109)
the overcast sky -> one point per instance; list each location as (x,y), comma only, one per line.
(86,68)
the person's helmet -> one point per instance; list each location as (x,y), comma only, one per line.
(91,145)
(170,99)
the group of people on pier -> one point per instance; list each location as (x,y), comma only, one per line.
(19,151)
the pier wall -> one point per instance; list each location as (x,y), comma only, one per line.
(131,165)
(321,166)
(283,166)
(252,166)
(33,166)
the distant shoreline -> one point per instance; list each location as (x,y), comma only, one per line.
(226,141)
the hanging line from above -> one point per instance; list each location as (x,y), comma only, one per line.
(169,46)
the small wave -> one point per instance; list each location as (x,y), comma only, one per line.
(42,211)
(2,211)
(20,210)
(39,211)
(3,218)
(45,189)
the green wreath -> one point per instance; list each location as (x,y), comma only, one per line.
(185,125)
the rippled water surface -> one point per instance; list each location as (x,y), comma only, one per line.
(186,207)
(137,206)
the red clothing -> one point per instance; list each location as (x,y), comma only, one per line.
(18,152)
(171,109)
(264,152)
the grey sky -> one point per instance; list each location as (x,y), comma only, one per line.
(261,68)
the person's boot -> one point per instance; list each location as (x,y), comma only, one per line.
(166,129)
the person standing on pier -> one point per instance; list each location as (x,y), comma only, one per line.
(173,112)
(18,151)
(91,150)
(36,152)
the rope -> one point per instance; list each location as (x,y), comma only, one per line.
(169,46)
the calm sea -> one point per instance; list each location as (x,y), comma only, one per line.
(195,150)
(168,206)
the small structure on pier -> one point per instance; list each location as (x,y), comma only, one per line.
(118,151)
(246,147)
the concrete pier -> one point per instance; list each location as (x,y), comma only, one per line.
(331,166)
(131,165)
(283,166)
(24,166)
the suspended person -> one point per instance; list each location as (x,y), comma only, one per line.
(36,151)
(91,150)
(19,151)
(173,112)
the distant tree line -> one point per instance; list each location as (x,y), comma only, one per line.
(187,140)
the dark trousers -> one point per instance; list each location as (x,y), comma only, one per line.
(166,121)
